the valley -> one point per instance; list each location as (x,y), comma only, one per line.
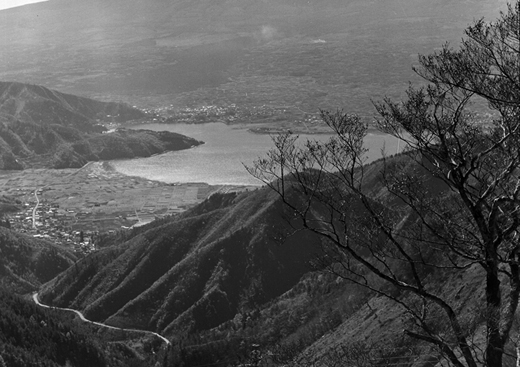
(92,200)
(151,215)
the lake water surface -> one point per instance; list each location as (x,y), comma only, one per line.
(220,161)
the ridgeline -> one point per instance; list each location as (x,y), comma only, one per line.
(44,128)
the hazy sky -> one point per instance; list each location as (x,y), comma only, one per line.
(5,4)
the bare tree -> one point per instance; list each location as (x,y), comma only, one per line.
(450,204)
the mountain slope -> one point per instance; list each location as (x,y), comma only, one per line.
(41,127)
(26,262)
(233,275)
(33,103)
(32,337)
(193,272)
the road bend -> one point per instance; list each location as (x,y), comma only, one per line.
(83,318)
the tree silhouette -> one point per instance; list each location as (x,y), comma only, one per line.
(450,204)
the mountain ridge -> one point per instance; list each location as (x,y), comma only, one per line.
(215,259)
(238,270)
(15,95)
(40,127)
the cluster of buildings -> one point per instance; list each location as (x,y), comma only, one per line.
(201,114)
(74,207)
(227,114)
(54,224)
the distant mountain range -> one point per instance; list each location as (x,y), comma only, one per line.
(44,128)
(233,275)
(296,55)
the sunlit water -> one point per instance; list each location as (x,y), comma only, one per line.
(220,161)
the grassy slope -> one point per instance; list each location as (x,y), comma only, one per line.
(377,325)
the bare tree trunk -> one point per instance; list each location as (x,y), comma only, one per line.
(494,348)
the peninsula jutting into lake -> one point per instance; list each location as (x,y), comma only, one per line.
(259,183)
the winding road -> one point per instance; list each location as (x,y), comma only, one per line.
(83,318)
(36,206)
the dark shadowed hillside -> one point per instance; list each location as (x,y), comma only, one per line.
(8,205)
(232,273)
(193,272)
(40,127)
(26,262)
(30,336)
(33,103)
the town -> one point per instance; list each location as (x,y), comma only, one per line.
(73,206)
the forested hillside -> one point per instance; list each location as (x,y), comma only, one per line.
(30,336)
(44,128)
(193,272)
(34,337)
(236,273)
(26,263)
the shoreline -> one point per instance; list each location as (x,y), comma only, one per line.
(95,198)
(260,128)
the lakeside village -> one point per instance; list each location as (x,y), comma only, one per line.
(77,226)
(273,119)
(75,206)
(229,114)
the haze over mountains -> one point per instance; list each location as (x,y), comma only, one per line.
(216,279)
(303,55)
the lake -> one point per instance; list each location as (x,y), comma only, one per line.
(220,161)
